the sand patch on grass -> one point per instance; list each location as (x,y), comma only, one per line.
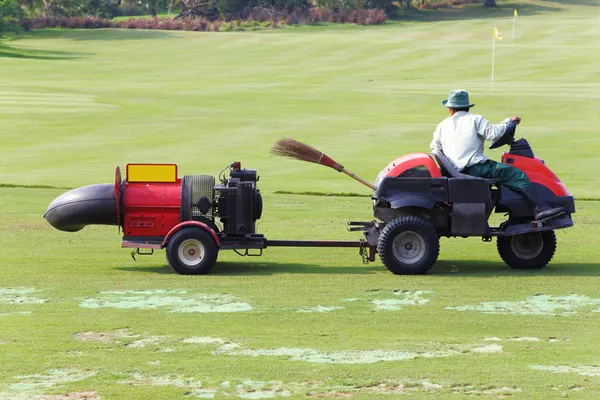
(490,348)
(195,386)
(166,299)
(586,370)
(533,305)
(20,295)
(265,390)
(202,393)
(406,298)
(514,339)
(432,388)
(53,378)
(165,380)
(28,387)
(319,308)
(309,355)
(141,343)
(557,339)
(125,336)
(248,389)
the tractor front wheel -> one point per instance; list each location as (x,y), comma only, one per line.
(408,245)
(192,251)
(527,251)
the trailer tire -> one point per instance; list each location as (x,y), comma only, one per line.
(192,251)
(527,251)
(408,245)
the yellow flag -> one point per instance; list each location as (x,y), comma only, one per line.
(516,15)
(497,34)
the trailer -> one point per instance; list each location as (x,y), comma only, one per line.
(192,217)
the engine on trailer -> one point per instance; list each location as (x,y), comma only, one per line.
(235,202)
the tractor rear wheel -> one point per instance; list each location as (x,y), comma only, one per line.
(408,245)
(527,251)
(192,251)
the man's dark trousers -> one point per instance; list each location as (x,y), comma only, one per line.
(507,175)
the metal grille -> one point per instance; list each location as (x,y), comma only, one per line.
(193,188)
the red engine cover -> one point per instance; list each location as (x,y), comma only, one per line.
(537,172)
(151,209)
(408,161)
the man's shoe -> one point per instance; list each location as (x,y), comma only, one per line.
(541,209)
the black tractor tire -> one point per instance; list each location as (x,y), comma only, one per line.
(408,245)
(192,251)
(527,251)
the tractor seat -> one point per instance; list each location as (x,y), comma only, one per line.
(449,170)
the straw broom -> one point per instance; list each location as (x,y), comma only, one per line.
(291,148)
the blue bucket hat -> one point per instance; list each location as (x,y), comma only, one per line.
(457,99)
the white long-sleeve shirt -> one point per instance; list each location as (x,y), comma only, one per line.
(461,137)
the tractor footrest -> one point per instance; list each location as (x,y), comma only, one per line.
(540,222)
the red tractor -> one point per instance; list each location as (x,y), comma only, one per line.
(419,201)
(416,201)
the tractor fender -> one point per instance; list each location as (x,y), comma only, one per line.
(417,200)
(196,224)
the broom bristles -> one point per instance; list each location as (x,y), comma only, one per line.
(291,148)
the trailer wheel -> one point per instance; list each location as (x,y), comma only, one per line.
(408,245)
(192,251)
(527,251)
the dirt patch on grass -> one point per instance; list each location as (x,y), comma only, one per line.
(104,337)
(534,305)
(166,299)
(564,389)
(71,396)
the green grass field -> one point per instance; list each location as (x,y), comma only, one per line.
(79,319)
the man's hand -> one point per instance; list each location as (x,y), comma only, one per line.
(518,119)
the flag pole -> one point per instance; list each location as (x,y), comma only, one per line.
(513,29)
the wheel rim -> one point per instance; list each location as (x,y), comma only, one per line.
(527,246)
(191,252)
(409,247)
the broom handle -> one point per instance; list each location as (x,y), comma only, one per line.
(358,178)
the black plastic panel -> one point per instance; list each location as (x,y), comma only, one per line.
(469,219)
(469,191)
(423,192)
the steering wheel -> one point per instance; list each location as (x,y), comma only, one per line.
(507,138)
